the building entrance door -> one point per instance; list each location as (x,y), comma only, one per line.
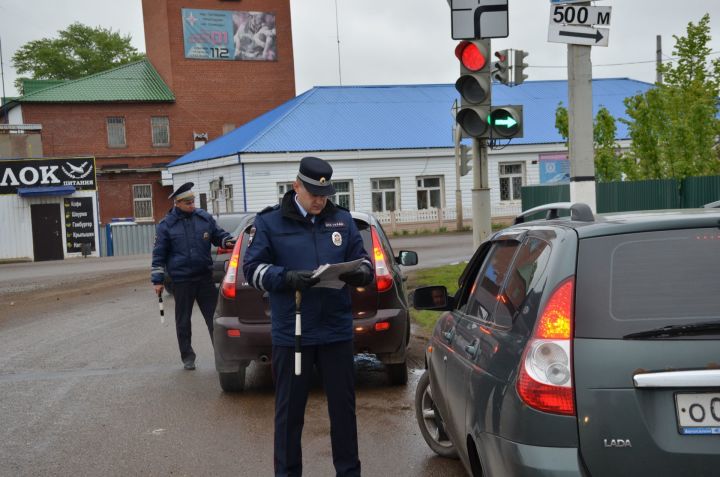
(46,232)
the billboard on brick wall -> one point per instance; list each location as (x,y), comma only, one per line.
(229,35)
(78,172)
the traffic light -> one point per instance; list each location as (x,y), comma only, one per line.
(465,160)
(501,68)
(507,121)
(519,66)
(474,87)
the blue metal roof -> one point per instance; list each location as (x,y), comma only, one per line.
(336,118)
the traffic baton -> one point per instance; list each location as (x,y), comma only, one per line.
(162,308)
(298,333)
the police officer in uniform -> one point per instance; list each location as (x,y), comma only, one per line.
(291,240)
(182,250)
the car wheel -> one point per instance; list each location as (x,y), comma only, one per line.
(233,382)
(398,373)
(431,424)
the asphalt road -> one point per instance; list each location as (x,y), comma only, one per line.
(91,384)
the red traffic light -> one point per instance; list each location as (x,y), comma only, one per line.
(470,55)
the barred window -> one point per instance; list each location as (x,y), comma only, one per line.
(142,202)
(116,131)
(283,188)
(512,178)
(160,130)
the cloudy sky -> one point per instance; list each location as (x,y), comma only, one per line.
(392,41)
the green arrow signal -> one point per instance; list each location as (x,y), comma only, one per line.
(508,122)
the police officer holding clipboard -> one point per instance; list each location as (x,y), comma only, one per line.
(291,240)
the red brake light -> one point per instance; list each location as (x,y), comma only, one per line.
(228,283)
(382,326)
(232,333)
(545,378)
(383,277)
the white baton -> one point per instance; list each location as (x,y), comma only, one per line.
(298,333)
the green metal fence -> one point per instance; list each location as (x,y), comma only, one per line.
(633,195)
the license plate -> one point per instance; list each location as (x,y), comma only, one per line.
(698,413)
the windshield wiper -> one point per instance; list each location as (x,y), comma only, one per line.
(676,330)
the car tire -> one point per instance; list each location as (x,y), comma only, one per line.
(431,424)
(398,373)
(233,382)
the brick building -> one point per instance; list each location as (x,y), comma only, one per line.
(207,72)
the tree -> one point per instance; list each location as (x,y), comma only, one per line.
(674,126)
(78,51)
(609,163)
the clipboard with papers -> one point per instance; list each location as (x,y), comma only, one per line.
(330,273)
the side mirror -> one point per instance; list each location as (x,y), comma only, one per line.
(407,257)
(431,298)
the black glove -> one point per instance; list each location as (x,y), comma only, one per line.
(300,279)
(359,277)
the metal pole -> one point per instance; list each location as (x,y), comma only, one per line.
(480,193)
(658,59)
(2,74)
(580,122)
(458,192)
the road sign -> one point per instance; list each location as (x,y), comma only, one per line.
(580,15)
(476,19)
(578,35)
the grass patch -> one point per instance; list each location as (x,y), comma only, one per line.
(446,275)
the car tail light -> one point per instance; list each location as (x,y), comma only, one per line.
(545,379)
(383,277)
(233,333)
(382,326)
(228,283)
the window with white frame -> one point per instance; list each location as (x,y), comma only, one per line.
(385,194)
(215,196)
(512,178)
(430,192)
(116,131)
(142,202)
(283,188)
(160,126)
(228,190)
(343,194)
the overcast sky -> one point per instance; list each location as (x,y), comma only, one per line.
(391,41)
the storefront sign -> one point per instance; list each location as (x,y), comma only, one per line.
(554,168)
(79,224)
(78,172)
(229,35)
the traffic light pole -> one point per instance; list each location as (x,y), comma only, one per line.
(580,125)
(457,136)
(480,192)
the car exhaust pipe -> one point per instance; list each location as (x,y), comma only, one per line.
(264,358)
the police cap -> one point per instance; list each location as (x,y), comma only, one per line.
(315,175)
(183,192)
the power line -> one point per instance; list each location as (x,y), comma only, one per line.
(620,64)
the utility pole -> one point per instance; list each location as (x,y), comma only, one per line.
(658,59)
(480,192)
(580,122)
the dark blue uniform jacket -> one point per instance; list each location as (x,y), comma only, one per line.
(285,240)
(182,246)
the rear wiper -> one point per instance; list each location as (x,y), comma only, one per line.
(676,330)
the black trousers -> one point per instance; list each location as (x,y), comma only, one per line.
(335,364)
(186,294)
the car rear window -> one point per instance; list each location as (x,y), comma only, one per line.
(635,282)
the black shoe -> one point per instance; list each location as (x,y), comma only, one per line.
(189,364)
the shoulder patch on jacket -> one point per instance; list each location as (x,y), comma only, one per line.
(268,209)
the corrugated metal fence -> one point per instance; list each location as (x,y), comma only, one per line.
(633,195)
(127,239)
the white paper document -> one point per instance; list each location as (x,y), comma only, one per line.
(329,273)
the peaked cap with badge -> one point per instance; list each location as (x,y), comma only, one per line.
(315,175)
(183,192)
